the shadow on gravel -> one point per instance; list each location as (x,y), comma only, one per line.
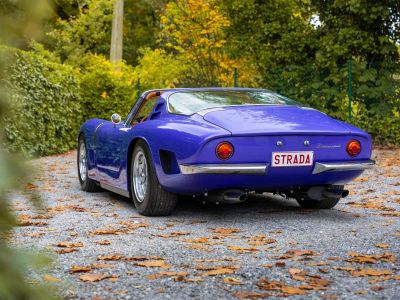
(257,207)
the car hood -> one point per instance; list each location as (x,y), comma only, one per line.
(272,119)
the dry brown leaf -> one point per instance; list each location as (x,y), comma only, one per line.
(225,231)
(383,246)
(198,247)
(371,258)
(219,271)
(377,288)
(49,278)
(69,245)
(199,240)
(208,268)
(80,269)
(167,274)
(242,249)
(250,295)
(171,234)
(108,231)
(298,274)
(296,253)
(97,277)
(279,286)
(370,272)
(153,264)
(232,280)
(104,243)
(66,250)
(25,220)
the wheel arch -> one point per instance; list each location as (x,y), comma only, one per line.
(131,147)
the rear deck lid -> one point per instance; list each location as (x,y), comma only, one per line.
(275,119)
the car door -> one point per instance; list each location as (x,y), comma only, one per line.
(112,144)
(109,145)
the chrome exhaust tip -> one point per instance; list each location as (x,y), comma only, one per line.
(234,196)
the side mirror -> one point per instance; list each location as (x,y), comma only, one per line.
(116,119)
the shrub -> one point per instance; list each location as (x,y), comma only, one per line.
(106,89)
(46,111)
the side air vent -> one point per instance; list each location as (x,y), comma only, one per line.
(168,162)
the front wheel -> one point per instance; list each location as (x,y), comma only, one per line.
(87,184)
(149,196)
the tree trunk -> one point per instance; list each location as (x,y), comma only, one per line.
(117,31)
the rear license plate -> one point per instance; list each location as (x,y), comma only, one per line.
(292,159)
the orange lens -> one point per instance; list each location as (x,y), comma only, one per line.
(353,148)
(224,150)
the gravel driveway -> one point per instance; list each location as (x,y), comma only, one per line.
(265,247)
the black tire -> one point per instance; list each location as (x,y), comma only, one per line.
(156,201)
(327,203)
(87,184)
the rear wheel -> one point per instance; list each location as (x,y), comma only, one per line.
(87,184)
(320,204)
(149,196)
(325,202)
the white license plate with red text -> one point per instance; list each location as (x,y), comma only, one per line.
(292,159)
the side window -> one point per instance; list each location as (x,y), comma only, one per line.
(144,111)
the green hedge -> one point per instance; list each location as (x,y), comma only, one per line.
(46,112)
(50,100)
(106,89)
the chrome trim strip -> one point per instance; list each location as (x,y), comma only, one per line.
(258,169)
(114,189)
(342,166)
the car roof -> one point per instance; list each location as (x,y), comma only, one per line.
(206,89)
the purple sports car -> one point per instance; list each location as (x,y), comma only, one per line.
(220,144)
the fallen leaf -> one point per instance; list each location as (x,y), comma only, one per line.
(377,288)
(66,250)
(199,240)
(242,249)
(153,264)
(96,277)
(219,271)
(171,234)
(370,272)
(166,274)
(279,286)
(79,269)
(49,278)
(225,231)
(69,245)
(232,280)
(104,243)
(298,274)
(371,258)
(384,246)
(250,295)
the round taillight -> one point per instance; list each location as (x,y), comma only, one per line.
(353,148)
(224,150)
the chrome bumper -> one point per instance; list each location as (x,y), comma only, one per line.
(258,169)
(261,169)
(342,166)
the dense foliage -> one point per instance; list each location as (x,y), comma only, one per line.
(46,111)
(301,49)
(15,282)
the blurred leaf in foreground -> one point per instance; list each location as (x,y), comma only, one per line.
(20,20)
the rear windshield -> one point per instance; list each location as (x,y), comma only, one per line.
(190,102)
